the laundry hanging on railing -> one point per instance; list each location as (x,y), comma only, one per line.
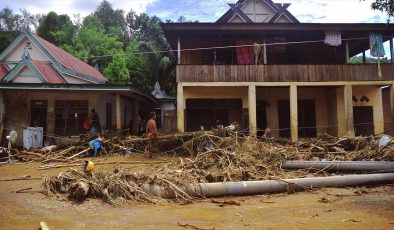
(376,45)
(333,38)
(244,53)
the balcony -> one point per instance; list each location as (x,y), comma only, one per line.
(283,73)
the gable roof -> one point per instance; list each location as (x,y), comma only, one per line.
(60,62)
(236,9)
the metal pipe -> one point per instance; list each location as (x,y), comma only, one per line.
(270,186)
(380,166)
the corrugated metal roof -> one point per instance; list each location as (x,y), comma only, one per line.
(48,72)
(3,71)
(69,61)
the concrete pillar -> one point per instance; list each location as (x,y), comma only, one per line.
(180,108)
(348,110)
(378,117)
(293,113)
(118,113)
(252,110)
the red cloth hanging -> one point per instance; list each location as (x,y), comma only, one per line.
(245,54)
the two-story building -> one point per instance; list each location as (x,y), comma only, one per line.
(259,66)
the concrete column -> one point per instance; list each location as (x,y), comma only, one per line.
(118,113)
(293,112)
(180,108)
(179,50)
(252,110)
(378,117)
(348,110)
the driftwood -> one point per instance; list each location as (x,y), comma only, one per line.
(44,167)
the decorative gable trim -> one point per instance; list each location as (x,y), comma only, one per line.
(282,10)
(25,62)
(10,47)
(240,14)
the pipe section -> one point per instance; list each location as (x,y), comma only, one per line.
(379,166)
(271,186)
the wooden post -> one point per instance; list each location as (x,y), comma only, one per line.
(364,57)
(118,113)
(264,52)
(293,112)
(391,50)
(348,104)
(392,107)
(252,110)
(180,108)
(347,51)
(179,50)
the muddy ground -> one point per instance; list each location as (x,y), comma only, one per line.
(345,208)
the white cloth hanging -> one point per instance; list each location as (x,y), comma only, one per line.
(333,38)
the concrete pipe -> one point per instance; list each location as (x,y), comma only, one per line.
(271,186)
(378,166)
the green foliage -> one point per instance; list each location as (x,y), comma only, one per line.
(359,60)
(57,29)
(6,38)
(384,6)
(9,21)
(116,71)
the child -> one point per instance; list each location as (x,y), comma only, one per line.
(96,145)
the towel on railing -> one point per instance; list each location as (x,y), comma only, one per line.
(376,45)
(244,53)
(333,38)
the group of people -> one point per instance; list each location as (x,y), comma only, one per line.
(93,126)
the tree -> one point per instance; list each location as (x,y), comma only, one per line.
(9,21)
(93,45)
(116,71)
(113,20)
(384,6)
(57,29)
(136,64)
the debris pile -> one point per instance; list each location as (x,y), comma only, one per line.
(215,156)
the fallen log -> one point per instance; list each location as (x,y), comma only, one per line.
(44,167)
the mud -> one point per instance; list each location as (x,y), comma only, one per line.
(347,208)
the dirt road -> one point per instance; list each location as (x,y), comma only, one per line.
(352,208)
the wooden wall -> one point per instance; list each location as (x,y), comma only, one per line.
(282,73)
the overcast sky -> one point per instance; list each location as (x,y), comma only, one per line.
(208,10)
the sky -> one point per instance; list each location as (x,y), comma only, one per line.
(317,11)
(208,10)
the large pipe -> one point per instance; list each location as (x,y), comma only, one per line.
(270,186)
(379,166)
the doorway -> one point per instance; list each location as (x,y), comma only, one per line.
(363,120)
(38,116)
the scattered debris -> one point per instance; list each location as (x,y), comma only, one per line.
(193,227)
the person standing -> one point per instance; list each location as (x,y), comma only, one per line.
(152,134)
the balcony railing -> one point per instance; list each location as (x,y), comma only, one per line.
(283,73)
